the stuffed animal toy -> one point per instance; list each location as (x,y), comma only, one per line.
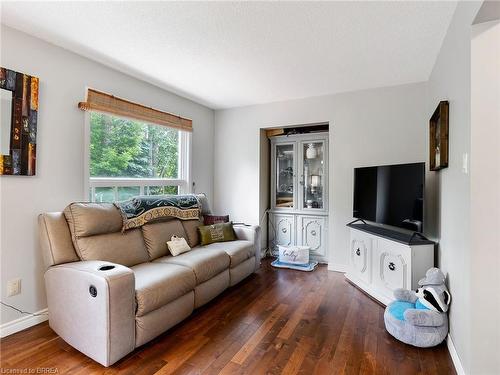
(420,318)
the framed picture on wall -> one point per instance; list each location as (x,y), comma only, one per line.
(18,123)
(438,137)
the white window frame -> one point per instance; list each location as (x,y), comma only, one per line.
(184,181)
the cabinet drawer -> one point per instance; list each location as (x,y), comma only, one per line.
(312,232)
(392,266)
(283,233)
(360,255)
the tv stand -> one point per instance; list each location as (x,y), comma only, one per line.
(418,234)
(382,260)
(355,221)
(414,238)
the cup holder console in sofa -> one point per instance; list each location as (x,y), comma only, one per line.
(106,268)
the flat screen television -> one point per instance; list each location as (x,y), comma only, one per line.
(391,195)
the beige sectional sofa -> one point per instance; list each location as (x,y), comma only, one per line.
(109,292)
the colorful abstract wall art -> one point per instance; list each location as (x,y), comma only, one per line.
(18,123)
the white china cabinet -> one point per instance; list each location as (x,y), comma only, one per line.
(299,193)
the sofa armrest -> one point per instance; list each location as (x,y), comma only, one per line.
(93,309)
(250,233)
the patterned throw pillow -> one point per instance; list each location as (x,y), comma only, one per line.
(216,233)
(215,219)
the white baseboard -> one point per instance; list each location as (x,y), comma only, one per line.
(24,322)
(337,267)
(454,356)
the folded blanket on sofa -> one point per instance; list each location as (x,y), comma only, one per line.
(140,210)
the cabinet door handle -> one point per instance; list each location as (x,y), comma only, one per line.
(93,291)
(283,230)
(313,232)
(392,266)
(358,252)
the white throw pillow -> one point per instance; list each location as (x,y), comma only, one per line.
(177,245)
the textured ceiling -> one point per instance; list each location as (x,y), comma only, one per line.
(227,54)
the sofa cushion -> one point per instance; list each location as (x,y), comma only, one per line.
(157,284)
(206,263)
(242,270)
(215,219)
(220,232)
(191,229)
(88,219)
(157,234)
(96,234)
(238,251)
(123,248)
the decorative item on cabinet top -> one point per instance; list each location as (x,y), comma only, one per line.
(18,123)
(299,129)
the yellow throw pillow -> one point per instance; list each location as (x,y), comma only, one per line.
(220,232)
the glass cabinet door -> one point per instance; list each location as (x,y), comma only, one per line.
(285,185)
(313,175)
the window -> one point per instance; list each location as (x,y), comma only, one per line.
(127,157)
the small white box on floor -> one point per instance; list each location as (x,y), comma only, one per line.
(294,254)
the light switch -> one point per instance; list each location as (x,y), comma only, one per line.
(465,163)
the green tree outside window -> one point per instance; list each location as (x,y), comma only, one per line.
(126,148)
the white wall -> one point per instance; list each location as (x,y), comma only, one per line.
(64,77)
(387,125)
(485,198)
(371,127)
(450,80)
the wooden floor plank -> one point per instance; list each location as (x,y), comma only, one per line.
(250,345)
(180,354)
(299,354)
(297,315)
(276,321)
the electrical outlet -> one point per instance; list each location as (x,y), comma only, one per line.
(13,287)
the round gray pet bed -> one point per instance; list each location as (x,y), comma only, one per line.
(422,333)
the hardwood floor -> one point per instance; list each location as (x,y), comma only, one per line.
(274,322)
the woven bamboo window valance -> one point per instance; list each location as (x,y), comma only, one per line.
(101,102)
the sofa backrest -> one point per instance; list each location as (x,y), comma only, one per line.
(157,234)
(55,239)
(96,234)
(92,231)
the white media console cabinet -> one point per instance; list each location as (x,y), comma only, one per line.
(382,260)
